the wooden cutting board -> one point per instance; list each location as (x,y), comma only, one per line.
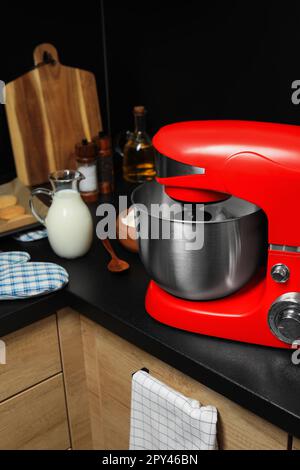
(49,110)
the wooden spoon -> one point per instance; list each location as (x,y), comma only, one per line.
(116,265)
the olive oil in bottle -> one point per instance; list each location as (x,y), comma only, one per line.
(138,164)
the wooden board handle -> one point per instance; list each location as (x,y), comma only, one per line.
(38,53)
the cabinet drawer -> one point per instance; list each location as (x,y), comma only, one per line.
(32,355)
(35,419)
(114,360)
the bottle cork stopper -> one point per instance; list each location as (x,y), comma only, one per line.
(139,110)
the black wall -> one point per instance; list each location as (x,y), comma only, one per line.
(187,60)
(203,60)
(73,27)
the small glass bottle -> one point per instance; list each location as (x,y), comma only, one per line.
(138,163)
(86,158)
(105,163)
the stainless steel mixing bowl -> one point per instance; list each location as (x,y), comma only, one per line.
(234,235)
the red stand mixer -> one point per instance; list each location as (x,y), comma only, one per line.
(250,170)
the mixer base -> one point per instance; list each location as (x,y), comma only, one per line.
(239,317)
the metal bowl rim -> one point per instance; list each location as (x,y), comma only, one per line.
(233,219)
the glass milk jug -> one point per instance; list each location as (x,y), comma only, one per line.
(68,221)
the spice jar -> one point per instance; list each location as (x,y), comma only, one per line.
(86,158)
(105,163)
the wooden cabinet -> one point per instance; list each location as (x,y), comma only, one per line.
(110,361)
(296,444)
(33,413)
(36,418)
(32,355)
(67,384)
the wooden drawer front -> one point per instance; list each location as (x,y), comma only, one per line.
(35,419)
(32,355)
(110,361)
(296,444)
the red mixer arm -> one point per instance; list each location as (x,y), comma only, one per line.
(259,162)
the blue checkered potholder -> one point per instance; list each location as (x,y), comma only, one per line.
(20,281)
(31,235)
(9,258)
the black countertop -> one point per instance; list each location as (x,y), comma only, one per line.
(261,379)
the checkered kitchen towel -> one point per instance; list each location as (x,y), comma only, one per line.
(163,419)
(20,281)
